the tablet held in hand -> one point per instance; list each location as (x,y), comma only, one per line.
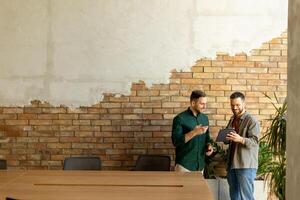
(222,135)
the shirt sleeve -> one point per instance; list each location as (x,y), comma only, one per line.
(253,132)
(178,137)
(207,137)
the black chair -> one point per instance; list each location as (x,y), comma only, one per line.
(3,164)
(82,163)
(153,163)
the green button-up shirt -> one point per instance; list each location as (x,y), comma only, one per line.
(190,155)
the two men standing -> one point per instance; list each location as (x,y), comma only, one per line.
(190,136)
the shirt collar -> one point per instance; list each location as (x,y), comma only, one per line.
(241,117)
(191,112)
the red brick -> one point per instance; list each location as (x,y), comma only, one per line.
(32,110)
(263,88)
(16,122)
(163,110)
(170,104)
(110,116)
(139,99)
(142,110)
(257,70)
(225,75)
(258,58)
(241,87)
(214,81)
(131,128)
(111,105)
(269,76)
(101,122)
(152,116)
(278,46)
(220,87)
(89,116)
(215,93)
(212,69)
(248,76)
(84,134)
(82,145)
(54,110)
(9,116)
(12,110)
(131,105)
(168,116)
(243,64)
(278,58)
(40,122)
(148,93)
(182,75)
(236,81)
(191,81)
(197,69)
(69,128)
(62,122)
(270,52)
(234,69)
(46,116)
(119,99)
(67,116)
(132,116)
(115,151)
(283,76)
(49,139)
(203,63)
(160,87)
(220,64)
(278,70)
(203,75)
(257,82)
(240,58)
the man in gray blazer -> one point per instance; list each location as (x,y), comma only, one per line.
(243,150)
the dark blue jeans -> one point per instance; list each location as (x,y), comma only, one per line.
(241,183)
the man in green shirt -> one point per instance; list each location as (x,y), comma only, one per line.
(190,135)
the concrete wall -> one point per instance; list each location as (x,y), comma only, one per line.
(293,139)
(70,52)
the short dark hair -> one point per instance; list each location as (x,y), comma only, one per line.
(237,95)
(196,94)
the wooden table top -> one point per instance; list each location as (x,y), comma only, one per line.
(108,185)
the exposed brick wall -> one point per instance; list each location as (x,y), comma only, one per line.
(121,127)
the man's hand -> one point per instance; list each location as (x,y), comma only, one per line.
(209,150)
(198,130)
(233,136)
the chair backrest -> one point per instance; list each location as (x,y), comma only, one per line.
(82,163)
(153,163)
(9,198)
(3,164)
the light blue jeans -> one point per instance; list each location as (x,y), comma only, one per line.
(241,183)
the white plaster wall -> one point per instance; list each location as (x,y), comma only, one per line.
(71,51)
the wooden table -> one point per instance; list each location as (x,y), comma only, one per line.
(108,185)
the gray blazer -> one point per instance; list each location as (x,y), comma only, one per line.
(246,156)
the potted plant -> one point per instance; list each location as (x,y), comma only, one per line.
(216,163)
(274,169)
